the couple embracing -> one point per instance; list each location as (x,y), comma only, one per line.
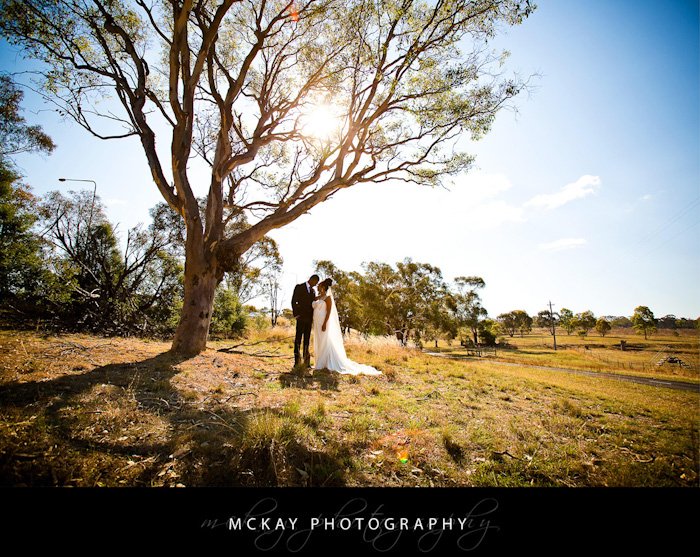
(317,311)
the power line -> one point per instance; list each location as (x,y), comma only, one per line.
(659,246)
(667,224)
(629,256)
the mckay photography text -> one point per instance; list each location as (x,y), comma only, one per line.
(270,528)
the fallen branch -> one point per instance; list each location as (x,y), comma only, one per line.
(504,453)
(275,354)
(253,354)
(241,394)
(26,456)
(232,349)
(637,456)
(24,348)
(25,422)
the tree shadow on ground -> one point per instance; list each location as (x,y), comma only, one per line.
(325,380)
(196,442)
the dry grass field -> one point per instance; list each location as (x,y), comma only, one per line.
(640,356)
(88,411)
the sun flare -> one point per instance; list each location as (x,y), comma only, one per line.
(321,121)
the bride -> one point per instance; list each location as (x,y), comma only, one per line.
(329,351)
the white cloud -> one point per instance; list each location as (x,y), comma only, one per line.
(647,197)
(563,244)
(492,215)
(477,186)
(473,202)
(583,187)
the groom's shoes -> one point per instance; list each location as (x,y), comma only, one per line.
(299,365)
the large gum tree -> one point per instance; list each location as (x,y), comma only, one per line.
(286,102)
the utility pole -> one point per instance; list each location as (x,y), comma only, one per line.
(553,324)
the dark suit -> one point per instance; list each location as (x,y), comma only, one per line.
(304,313)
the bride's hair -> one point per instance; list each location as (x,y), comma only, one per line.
(327,283)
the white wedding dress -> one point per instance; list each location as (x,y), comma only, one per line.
(329,350)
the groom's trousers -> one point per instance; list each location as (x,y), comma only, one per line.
(303,335)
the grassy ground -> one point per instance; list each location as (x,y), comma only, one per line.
(88,411)
(640,357)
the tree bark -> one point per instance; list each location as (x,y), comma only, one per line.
(193,329)
(401,335)
(201,279)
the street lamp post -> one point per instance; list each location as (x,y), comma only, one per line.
(94,194)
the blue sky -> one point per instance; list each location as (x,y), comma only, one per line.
(589,196)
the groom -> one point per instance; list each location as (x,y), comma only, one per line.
(303,312)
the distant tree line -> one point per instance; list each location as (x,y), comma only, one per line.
(411,301)
(642,320)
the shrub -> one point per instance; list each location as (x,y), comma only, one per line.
(228,317)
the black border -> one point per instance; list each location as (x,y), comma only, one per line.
(511,519)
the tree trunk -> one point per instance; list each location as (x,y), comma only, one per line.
(201,281)
(401,336)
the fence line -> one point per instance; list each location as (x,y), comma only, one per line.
(643,366)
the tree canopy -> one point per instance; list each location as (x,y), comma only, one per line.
(16,135)
(567,320)
(643,321)
(242,85)
(584,322)
(20,261)
(516,321)
(603,326)
(237,81)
